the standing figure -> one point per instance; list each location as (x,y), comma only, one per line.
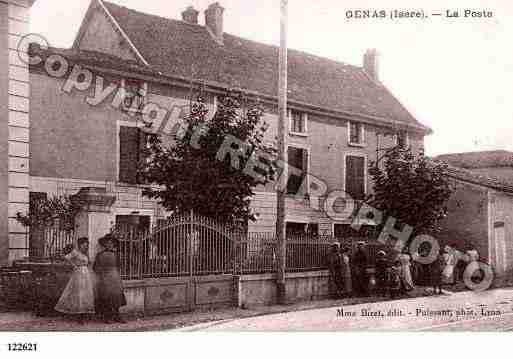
(436,269)
(346,271)
(449,259)
(359,269)
(395,284)
(406,276)
(110,296)
(78,296)
(381,272)
(335,268)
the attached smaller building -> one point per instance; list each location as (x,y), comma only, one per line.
(498,164)
(480,216)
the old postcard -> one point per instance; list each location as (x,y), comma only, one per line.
(263,166)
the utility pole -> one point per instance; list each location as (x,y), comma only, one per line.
(282,156)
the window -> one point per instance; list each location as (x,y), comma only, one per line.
(312,229)
(36,234)
(298,168)
(35,198)
(301,229)
(356,133)
(297,122)
(135,95)
(132,146)
(355,177)
(345,231)
(402,139)
(133,222)
(295,229)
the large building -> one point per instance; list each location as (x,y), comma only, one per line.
(340,114)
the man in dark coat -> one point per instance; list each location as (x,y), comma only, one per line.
(109,287)
(359,270)
(436,273)
(335,266)
(381,272)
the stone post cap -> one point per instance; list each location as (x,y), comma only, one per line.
(94,199)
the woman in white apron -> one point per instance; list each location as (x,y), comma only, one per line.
(406,271)
(78,296)
(449,258)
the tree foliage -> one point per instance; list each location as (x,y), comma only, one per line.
(189,174)
(412,189)
(55,211)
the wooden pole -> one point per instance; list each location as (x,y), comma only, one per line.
(282,156)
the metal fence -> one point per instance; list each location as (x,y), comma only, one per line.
(182,246)
(196,246)
(50,242)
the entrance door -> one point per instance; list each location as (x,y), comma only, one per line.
(500,247)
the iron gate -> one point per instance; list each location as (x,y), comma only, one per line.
(190,258)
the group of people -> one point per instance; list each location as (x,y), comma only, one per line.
(93,289)
(394,274)
(348,272)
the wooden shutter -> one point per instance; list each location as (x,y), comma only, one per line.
(141,154)
(129,149)
(297,159)
(305,171)
(355,177)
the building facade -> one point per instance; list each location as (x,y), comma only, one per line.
(84,132)
(480,217)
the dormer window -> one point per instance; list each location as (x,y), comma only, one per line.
(356,133)
(135,95)
(298,121)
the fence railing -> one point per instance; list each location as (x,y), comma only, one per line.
(191,250)
(49,242)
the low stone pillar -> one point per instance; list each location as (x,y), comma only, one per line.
(95,218)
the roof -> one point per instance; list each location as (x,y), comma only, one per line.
(177,48)
(466,175)
(482,159)
(90,58)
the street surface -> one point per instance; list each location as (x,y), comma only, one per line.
(465,311)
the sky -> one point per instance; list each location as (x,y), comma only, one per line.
(454,75)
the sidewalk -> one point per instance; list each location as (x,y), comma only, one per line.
(15,321)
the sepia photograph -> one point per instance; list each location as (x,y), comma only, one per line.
(202,166)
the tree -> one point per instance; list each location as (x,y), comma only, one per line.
(55,211)
(412,189)
(198,172)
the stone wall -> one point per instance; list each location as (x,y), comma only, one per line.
(164,295)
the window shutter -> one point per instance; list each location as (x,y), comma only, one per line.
(355,177)
(142,155)
(296,160)
(129,148)
(305,171)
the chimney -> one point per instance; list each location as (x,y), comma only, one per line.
(214,21)
(190,15)
(371,63)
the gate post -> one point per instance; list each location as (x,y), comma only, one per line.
(191,255)
(94,219)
